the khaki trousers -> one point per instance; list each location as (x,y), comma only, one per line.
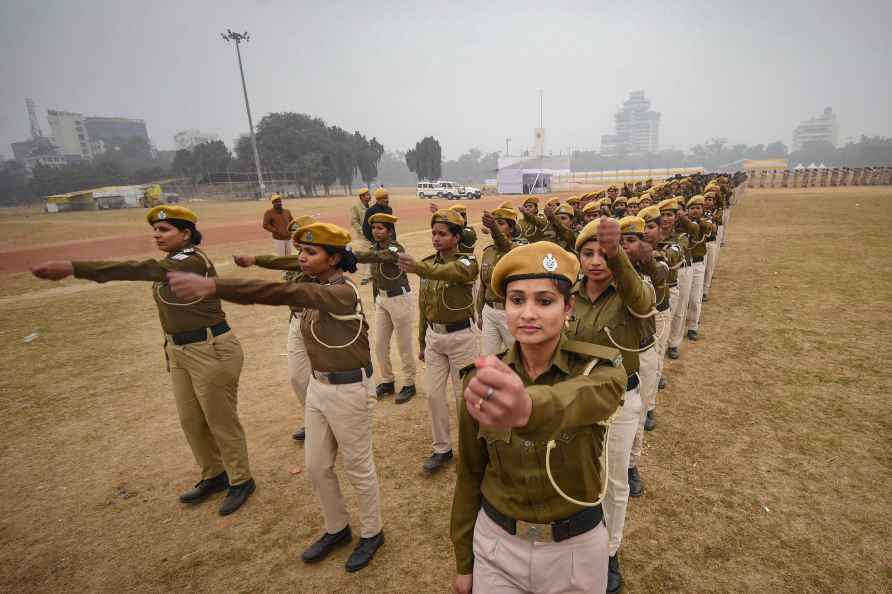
(299,369)
(695,301)
(508,564)
(444,356)
(619,448)
(685,277)
(362,244)
(647,371)
(712,259)
(205,386)
(664,323)
(395,314)
(339,418)
(496,337)
(282,247)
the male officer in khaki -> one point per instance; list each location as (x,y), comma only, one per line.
(357,216)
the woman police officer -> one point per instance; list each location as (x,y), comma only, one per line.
(447,336)
(204,356)
(339,401)
(526,518)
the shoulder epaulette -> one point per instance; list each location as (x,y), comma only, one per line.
(608,354)
(431,257)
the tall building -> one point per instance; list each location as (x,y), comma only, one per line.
(115,130)
(189,139)
(823,128)
(637,128)
(69,133)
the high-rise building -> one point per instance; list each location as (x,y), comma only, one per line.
(114,131)
(637,128)
(189,139)
(69,133)
(823,128)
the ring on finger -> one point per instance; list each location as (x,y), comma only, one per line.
(489,392)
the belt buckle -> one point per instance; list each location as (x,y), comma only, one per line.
(322,377)
(439,328)
(534,532)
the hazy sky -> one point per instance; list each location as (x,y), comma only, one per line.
(467,73)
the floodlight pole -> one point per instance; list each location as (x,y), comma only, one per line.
(507,140)
(238,38)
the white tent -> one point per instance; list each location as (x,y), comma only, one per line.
(530,175)
(799,166)
(812,166)
(822,166)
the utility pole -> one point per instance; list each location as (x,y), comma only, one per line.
(540,108)
(238,38)
(507,140)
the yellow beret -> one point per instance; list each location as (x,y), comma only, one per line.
(322,234)
(380,193)
(553,201)
(695,200)
(619,199)
(588,233)
(363,191)
(275,197)
(506,204)
(533,199)
(631,224)
(459,208)
(542,259)
(572,200)
(634,200)
(565,209)
(171,211)
(646,195)
(383,217)
(605,201)
(613,188)
(301,221)
(509,214)
(651,213)
(668,204)
(592,207)
(447,216)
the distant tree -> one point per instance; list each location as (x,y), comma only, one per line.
(393,171)
(201,160)
(776,150)
(13,183)
(426,159)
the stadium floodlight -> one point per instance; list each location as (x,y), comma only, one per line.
(238,38)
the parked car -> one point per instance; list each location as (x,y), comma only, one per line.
(446,189)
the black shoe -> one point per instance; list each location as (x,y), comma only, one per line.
(205,488)
(663,383)
(673,353)
(692,335)
(300,434)
(320,549)
(405,395)
(636,485)
(614,577)
(650,421)
(364,551)
(705,298)
(385,389)
(236,497)
(435,461)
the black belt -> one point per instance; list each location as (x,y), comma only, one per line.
(394,292)
(671,285)
(646,342)
(343,377)
(632,383)
(452,327)
(199,335)
(697,259)
(578,523)
(665,304)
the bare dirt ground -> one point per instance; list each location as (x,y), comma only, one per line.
(769,469)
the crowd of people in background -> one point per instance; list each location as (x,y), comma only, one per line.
(552,344)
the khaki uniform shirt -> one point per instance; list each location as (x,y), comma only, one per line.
(321,332)
(175,316)
(507,466)
(657,273)
(276,222)
(291,266)
(446,290)
(386,275)
(532,227)
(491,255)
(611,310)
(564,237)
(357,216)
(698,233)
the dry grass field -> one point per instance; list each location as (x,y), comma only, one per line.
(769,470)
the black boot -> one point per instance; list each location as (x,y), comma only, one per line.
(364,551)
(436,461)
(300,434)
(673,353)
(663,383)
(405,395)
(236,497)
(692,335)
(320,549)
(636,485)
(614,577)
(650,421)
(385,389)
(705,298)
(205,488)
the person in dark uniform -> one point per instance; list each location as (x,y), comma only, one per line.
(204,356)
(526,514)
(339,396)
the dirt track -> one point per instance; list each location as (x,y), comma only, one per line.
(769,469)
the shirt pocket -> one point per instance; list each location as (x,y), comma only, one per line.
(574,452)
(497,443)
